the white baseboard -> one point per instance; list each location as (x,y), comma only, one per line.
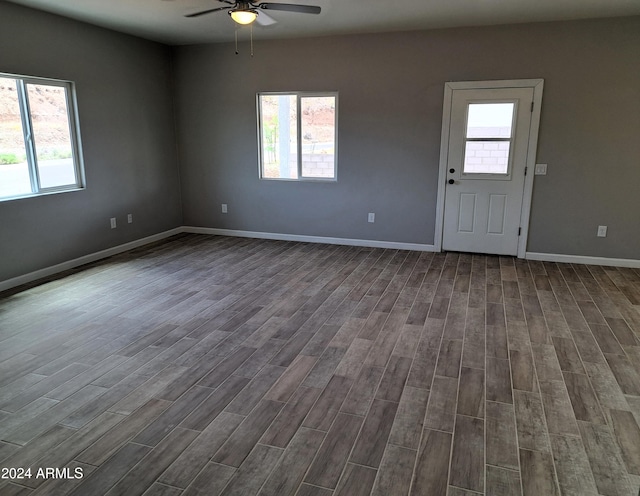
(92,257)
(580,259)
(370,243)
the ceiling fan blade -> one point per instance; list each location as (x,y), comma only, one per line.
(209,11)
(265,19)
(288,7)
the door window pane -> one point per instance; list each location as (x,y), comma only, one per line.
(486,157)
(14,169)
(490,120)
(488,138)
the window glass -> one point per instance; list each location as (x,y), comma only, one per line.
(297,136)
(318,136)
(52,136)
(15,179)
(279,136)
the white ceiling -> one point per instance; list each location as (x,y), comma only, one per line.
(164,21)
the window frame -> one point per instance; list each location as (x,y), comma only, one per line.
(299,96)
(30,138)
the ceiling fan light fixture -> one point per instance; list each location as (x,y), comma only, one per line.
(243,17)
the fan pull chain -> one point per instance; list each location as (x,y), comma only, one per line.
(236,36)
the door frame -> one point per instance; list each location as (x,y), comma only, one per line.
(449,88)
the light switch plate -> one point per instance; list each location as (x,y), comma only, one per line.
(541,169)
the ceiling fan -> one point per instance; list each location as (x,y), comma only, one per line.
(247,12)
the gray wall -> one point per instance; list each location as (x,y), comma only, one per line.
(391,90)
(390,111)
(127,129)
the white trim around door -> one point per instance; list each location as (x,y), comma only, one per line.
(450,87)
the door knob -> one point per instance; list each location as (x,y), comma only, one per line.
(451,181)
(452,170)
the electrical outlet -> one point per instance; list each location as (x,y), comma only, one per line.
(113,223)
(602,231)
(372,217)
(129,218)
(224,208)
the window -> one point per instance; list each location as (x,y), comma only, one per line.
(39,145)
(488,138)
(298,135)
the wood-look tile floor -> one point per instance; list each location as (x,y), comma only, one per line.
(211,365)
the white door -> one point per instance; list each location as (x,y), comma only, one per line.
(486,161)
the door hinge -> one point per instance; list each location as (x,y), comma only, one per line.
(525,170)
(532,103)
(519,231)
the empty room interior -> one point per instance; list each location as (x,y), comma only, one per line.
(379,248)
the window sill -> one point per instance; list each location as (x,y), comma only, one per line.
(44,193)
